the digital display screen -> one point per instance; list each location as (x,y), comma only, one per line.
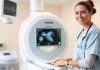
(6,53)
(1,45)
(47,37)
(10,8)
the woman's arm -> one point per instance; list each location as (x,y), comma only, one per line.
(88,62)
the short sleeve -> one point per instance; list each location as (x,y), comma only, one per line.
(92,44)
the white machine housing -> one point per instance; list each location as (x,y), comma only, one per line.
(29,51)
(8,56)
(8,60)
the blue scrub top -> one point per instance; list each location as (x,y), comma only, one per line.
(88,43)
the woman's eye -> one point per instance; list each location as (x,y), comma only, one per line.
(76,13)
(83,12)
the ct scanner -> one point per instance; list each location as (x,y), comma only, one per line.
(42,39)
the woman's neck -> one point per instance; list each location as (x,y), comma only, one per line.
(86,26)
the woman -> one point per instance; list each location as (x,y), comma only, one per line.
(86,54)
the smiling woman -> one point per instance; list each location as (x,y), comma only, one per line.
(86,55)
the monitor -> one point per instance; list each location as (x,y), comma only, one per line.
(7,53)
(47,37)
(9,8)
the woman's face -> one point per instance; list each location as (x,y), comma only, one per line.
(82,15)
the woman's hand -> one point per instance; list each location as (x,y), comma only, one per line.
(60,63)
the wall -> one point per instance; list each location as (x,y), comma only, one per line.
(54,9)
(9,32)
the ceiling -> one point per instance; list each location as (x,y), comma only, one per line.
(61,2)
(56,2)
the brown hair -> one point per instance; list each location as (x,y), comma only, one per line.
(89,5)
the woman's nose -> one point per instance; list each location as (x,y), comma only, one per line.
(80,15)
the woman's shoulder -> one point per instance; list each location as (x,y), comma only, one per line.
(94,29)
